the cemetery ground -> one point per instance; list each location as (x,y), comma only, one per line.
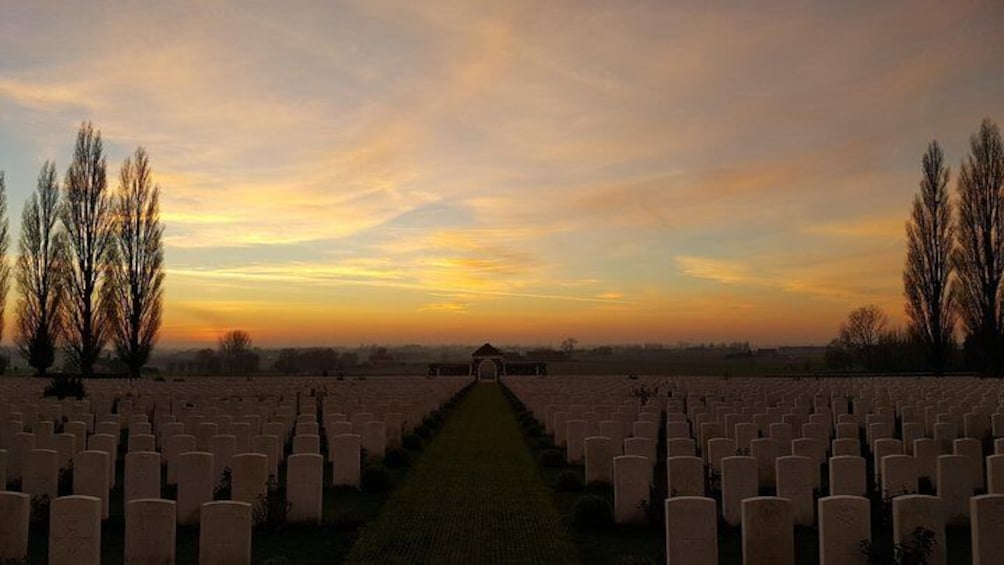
(345,510)
(474,497)
(533,469)
(599,541)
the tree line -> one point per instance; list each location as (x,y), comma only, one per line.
(953,280)
(89,268)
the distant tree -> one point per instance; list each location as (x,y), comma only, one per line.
(568,346)
(979,251)
(861,332)
(236,353)
(5,267)
(927,279)
(39,273)
(207,362)
(287,361)
(136,265)
(837,356)
(87,216)
(897,351)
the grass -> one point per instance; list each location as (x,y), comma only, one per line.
(474,497)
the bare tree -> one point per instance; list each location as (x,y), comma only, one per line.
(235,349)
(87,218)
(927,277)
(862,330)
(5,267)
(136,265)
(979,251)
(568,346)
(39,274)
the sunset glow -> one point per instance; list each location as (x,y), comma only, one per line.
(369,171)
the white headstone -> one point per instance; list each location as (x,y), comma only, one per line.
(768,532)
(75,530)
(304,487)
(691,531)
(225,533)
(150,530)
(844,523)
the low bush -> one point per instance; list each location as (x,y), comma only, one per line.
(423,431)
(568,481)
(65,386)
(375,480)
(223,487)
(592,513)
(411,441)
(270,510)
(552,458)
(397,458)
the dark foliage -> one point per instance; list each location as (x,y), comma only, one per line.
(65,386)
(568,481)
(411,441)
(374,480)
(592,513)
(397,458)
(552,458)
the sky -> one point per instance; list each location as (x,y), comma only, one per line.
(371,171)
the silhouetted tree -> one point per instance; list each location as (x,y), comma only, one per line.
(5,266)
(836,356)
(40,270)
(979,252)
(861,332)
(136,272)
(287,361)
(568,346)
(235,351)
(87,217)
(927,277)
(207,362)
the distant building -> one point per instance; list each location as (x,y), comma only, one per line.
(489,363)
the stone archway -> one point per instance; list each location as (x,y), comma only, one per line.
(488,370)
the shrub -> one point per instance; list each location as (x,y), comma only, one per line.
(599,487)
(270,509)
(552,458)
(397,458)
(40,509)
(159,379)
(375,480)
(222,489)
(64,484)
(412,441)
(569,481)
(542,442)
(592,513)
(534,431)
(423,431)
(65,386)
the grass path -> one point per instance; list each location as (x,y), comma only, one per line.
(475,496)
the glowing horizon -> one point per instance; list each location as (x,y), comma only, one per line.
(370,171)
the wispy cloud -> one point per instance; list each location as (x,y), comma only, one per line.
(600,162)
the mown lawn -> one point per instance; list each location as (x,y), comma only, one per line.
(475,496)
